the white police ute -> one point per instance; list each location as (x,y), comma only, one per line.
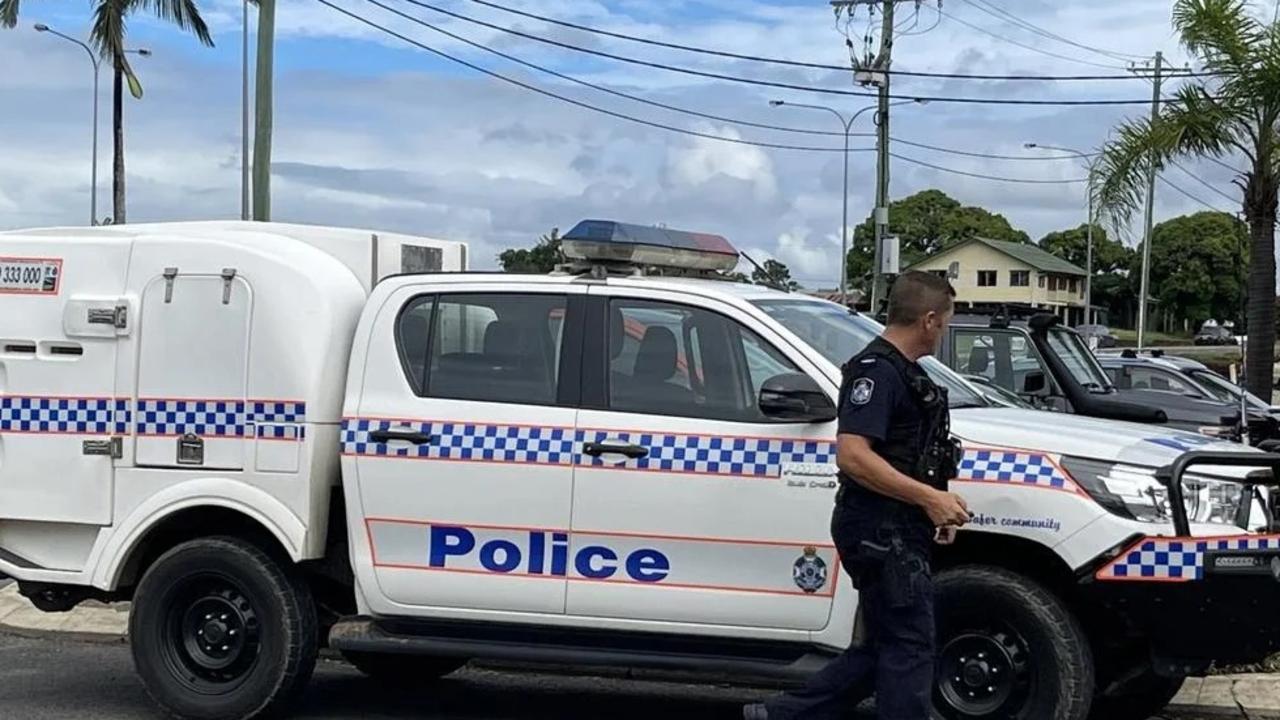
(272,437)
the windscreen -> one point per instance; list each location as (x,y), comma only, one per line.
(1081,363)
(839,334)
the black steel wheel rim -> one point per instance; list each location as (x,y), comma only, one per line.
(983,674)
(211,636)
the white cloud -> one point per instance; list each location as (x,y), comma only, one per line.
(703,159)
(397,140)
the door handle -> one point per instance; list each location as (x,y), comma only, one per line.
(413,436)
(596,449)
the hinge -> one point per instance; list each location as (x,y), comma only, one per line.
(169,274)
(117,317)
(228,274)
(112,447)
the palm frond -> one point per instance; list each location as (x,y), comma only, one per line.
(1220,32)
(183,13)
(106,33)
(8,13)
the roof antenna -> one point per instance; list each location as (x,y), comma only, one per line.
(775,284)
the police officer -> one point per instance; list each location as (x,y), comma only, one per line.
(895,456)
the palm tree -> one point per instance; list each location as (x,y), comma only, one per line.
(107,37)
(1233,107)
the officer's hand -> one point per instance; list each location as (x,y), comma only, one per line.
(946,535)
(946,508)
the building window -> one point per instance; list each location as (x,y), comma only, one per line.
(1019,278)
(1041,281)
(986,278)
(1053,283)
(1074,285)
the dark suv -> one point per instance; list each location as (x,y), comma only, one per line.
(1051,367)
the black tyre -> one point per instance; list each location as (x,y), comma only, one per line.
(403,670)
(1008,650)
(220,631)
(1138,700)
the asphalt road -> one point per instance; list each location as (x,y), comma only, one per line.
(66,680)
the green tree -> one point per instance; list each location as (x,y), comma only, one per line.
(107,36)
(1072,245)
(1232,107)
(1196,263)
(925,223)
(540,259)
(775,274)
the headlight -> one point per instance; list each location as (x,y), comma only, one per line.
(1134,492)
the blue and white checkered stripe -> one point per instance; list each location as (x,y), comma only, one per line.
(154,417)
(713,455)
(71,416)
(751,457)
(206,418)
(464,441)
(1013,467)
(1176,559)
(278,419)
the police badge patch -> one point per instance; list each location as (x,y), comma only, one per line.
(810,571)
(860,393)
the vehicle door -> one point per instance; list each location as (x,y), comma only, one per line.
(463,447)
(690,505)
(59,348)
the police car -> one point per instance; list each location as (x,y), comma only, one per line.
(268,440)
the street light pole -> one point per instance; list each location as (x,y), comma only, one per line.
(847,126)
(1088,268)
(93,185)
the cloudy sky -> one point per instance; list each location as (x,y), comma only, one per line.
(374,132)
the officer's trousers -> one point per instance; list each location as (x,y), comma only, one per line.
(894,659)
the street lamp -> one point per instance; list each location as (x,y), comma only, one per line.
(1088,269)
(93,58)
(93,186)
(847,125)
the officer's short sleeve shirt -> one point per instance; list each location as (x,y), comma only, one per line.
(878,401)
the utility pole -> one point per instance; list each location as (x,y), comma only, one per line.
(245,212)
(873,71)
(1144,286)
(263,105)
(882,154)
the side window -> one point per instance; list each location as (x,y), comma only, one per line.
(667,359)
(413,333)
(1004,357)
(487,347)
(1152,379)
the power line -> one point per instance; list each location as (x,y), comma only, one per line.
(661,126)
(783,61)
(1170,183)
(1203,182)
(756,81)
(1002,14)
(997,178)
(696,113)
(1025,46)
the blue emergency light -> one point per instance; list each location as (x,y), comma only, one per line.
(647,246)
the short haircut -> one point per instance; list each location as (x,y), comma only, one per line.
(916,294)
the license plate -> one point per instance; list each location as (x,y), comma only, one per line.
(30,276)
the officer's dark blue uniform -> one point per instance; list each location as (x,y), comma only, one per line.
(884,545)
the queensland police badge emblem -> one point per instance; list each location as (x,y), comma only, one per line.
(810,571)
(860,393)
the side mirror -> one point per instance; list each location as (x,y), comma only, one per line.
(1033,383)
(795,397)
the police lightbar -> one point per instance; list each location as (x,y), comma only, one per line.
(605,241)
